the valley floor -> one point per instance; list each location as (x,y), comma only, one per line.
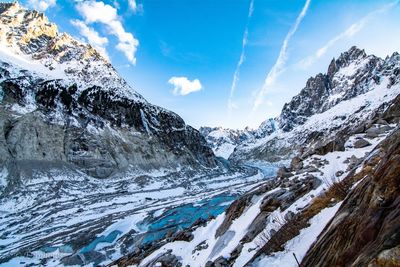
(69,218)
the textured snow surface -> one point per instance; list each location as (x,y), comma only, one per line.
(225,244)
(30,41)
(114,209)
(301,243)
(224,150)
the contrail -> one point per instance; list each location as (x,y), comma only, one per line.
(242,57)
(282,58)
(349,32)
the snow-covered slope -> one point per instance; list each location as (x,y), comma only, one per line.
(267,225)
(62,101)
(223,141)
(29,40)
(354,87)
(338,134)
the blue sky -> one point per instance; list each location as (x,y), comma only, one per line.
(230,63)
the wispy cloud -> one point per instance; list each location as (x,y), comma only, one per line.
(92,36)
(235,78)
(183,86)
(348,33)
(279,65)
(41,5)
(134,6)
(98,12)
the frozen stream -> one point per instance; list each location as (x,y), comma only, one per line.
(94,222)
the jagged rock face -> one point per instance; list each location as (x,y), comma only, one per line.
(366,231)
(224,141)
(29,33)
(267,127)
(331,106)
(101,129)
(346,78)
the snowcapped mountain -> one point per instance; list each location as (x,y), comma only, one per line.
(354,73)
(336,201)
(30,41)
(354,87)
(56,88)
(223,141)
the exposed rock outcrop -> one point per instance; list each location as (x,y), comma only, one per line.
(89,117)
(366,231)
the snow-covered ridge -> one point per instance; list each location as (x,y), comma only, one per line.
(223,141)
(28,39)
(49,78)
(338,153)
(354,87)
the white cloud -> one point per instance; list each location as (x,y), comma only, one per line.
(92,36)
(235,78)
(98,12)
(183,86)
(135,7)
(41,5)
(279,65)
(348,33)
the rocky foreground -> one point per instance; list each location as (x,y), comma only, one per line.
(335,204)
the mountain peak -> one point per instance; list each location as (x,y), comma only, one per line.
(9,6)
(28,34)
(354,53)
(345,58)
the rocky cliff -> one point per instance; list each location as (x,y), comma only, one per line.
(64,104)
(328,107)
(365,231)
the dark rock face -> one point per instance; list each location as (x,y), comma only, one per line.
(365,231)
(97,130)
(306,103)
(303,127)
(315,96)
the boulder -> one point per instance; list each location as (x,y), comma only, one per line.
(296,164)
(360,143)
(284,172)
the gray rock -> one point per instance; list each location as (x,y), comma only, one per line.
(360,143)
(98,131)
(284,172)
(296,164)
(289,215)
(72,260)
(378,129)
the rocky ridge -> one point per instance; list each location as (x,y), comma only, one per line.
(333,187)
(328,107)
(223,141)
(63,103)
